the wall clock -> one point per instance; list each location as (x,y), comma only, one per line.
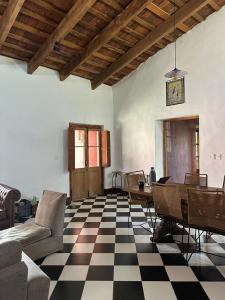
(175,92)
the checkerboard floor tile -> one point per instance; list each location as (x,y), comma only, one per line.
(107,258)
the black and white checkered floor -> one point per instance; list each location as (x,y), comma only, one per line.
(103,259)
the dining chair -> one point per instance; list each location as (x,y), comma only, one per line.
(223,187)
(167,202)
(206,213)
(196,179)
(132,179)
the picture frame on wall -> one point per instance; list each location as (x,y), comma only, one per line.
(175,92)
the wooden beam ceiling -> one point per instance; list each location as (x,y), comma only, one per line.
(153,37)
(75,14)
(12,10)
(130,12)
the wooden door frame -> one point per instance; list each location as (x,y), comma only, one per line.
(183,118)
(88,126)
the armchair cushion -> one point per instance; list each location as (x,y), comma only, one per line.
(27,233)
(10,252)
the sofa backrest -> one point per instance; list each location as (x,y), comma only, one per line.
(51,211)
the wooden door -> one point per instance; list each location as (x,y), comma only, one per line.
(85,160)
(179,148)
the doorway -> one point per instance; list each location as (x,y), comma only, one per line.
(181,147)
(88,147)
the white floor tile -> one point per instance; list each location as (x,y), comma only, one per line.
(212,248)
(69,239)
(124,231)
(108,225)
(56,259)
(93,219)
(214,290)
(81,214)
(200,259)
(73,273)
(122,219)
(180,273)
(150,259)
(102,259)
(83,248)
(109,214)
(51,288)
(125,248)
(156,290)
(98,290)
(142,239)
(75,225)
(96,210)
(89,231)
(127,273)
(168,248)
(105,239)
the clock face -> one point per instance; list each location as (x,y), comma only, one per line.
(175,92)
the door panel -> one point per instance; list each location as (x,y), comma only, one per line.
(86,173)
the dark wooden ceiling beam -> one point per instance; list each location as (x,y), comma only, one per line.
(11,12)
(151,39)
(131,11)
(76,13)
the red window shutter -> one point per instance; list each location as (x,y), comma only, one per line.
(106,152)
(71,162)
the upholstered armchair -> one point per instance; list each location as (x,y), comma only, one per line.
(44,235)
(8,197)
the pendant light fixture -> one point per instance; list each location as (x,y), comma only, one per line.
(175,73)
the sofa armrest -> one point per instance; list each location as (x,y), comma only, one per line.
(10,253)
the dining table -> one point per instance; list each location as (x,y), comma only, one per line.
(164,228)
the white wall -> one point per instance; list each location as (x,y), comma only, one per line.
(139,100)
(35,112)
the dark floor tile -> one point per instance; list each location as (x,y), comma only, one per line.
(138,219)
(79,259)
(95,214)
(217,260)
(207,273)
(68,290)
(91,225)
(106,231)
(87,203)
(39,261)
(72,231)
(146,248)
(79,219)
(100,205)
(69,214)
(125,239)
(122,206)
(173,259)
(86,239)
(103,273)
(123,225)
(122,214)
(153,273)
(110,210)
(136,209)
(111,203)
(53,272)
(189,291)
(108,219)
(104,248)
(126,259)
(128,290)
(83,210)
(67,247)
(141,231)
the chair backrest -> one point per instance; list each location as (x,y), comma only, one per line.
(8,197)
(50,212)
(132,178)
(167,200)
(206,209)
(196,179)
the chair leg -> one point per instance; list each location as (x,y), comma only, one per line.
(129,216)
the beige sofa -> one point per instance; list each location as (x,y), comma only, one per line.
(45,235)
(20,277)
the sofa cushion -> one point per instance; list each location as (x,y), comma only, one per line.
(27,233)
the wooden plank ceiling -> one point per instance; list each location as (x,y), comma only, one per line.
(101,40)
